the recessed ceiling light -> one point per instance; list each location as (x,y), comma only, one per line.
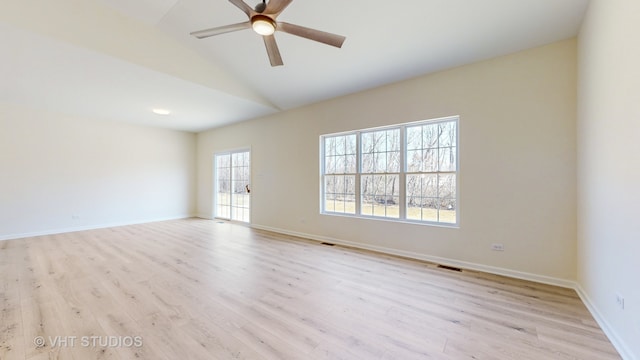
(161,111)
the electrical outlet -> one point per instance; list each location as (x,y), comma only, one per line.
(497,247)
(75,217)
(620,301)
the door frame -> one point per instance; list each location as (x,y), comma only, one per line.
(214,198)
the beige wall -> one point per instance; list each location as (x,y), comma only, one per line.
(517,164)
(62,173)
(609,168)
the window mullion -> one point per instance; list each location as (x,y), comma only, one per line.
(402,176)
(358,172)
(323,175)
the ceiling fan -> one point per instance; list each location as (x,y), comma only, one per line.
(262,19)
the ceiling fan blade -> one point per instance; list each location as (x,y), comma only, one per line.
(221,30)
(272,50)
(275,7)
(243,6)
(312,34)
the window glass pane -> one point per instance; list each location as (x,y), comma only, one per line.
(429,210)
(350,164)
(447,134)
(339,193)
(430,136)
(429,185)
(379,141)
(393,162)
(367,142)
(223,161)
(447,185)
(351,144)
(340,145)
(414,160)
(329,204)
(223,211)
(380,195)
(366,205)
(393,140)
(223,193)
(347,198)
(392,188)
(340,164)
(414,138)
(447,159)
(381,151)
(329,165)
(380,163)
(329,185)
(367,163)
(413,189)
(368,193)
(447,212)
(430,160)
(414,197)
(330,146)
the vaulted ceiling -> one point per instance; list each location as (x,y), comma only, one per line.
(119,59)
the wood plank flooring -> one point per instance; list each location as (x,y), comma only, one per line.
(201,289)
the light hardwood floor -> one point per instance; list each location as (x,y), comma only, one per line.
(200,289)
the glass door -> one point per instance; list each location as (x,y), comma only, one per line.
(233,186)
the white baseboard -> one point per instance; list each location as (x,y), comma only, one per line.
(620,346)
(435,259)
(89,227)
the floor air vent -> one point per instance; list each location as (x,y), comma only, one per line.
(327,244)
(449,268)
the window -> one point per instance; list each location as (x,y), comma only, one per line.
(380,173)
(431,172)
(406,172)
(340,173)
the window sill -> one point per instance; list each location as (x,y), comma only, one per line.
(394,220)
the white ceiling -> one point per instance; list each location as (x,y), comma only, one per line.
(117,59)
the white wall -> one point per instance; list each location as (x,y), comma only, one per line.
(609,167)
(517,160)
(56,167)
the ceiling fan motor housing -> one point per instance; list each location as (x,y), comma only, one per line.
(261,7)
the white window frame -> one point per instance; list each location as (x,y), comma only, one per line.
(402,204)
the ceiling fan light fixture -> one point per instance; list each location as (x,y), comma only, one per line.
(263,25)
